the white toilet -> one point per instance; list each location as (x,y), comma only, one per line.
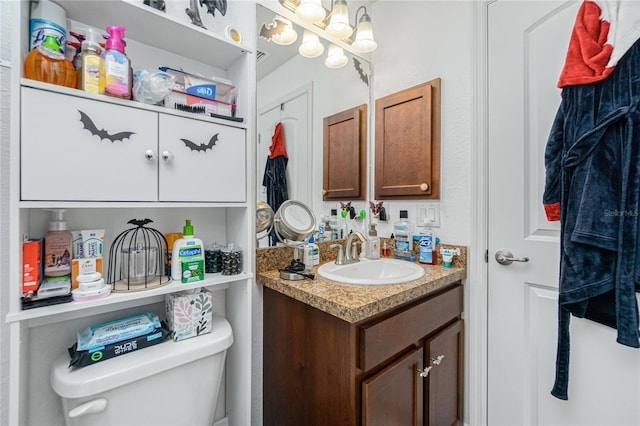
(172,383)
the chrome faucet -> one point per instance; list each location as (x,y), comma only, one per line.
(351,249)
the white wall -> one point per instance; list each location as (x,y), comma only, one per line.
(417,42)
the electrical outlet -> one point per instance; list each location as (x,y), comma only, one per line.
(428,215)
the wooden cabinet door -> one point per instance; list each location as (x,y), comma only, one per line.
(394,396)
(408,144)
(344,162)
(206,163)
(79,149)
(445,353)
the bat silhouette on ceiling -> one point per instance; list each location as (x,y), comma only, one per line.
(363,75)
(267,31)
(212,5)
(88,124)
(203,147)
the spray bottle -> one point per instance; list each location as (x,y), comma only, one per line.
(117,67)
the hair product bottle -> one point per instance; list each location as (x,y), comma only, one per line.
(57,246)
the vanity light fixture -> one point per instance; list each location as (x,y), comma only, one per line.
(336,57)
(364,42)
(310,46)
(338,26)
(311,11)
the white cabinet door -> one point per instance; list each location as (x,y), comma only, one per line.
(201,161)
(76,149)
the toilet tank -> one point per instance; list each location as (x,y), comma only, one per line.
(172,383)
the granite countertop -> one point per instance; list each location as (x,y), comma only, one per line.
(354,303)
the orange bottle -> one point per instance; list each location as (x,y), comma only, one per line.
(48,64)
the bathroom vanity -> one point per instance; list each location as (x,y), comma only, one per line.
(344,354)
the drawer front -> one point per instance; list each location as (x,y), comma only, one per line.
(383,339)
(78,149)
(208,161)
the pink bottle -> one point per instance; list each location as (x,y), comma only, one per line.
(116,65)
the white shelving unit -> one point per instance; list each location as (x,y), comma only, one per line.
(37,336)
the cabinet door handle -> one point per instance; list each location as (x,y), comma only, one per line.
(150,155)
(425,371)
(437,360)
(434,361)
(167,156)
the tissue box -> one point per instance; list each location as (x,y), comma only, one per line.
(189,315)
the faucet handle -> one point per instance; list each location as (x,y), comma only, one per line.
(340,258)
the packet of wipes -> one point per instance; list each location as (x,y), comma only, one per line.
(117,330)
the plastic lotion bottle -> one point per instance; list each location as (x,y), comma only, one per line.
(403,241)
(91,72)
(117,67)
(187,257)
(57,246)
(373,245)
(311,255)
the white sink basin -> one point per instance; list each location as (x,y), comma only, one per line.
(372,272)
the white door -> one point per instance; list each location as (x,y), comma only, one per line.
(292,112)
(527,43)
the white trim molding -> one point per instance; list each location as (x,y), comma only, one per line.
(477,304)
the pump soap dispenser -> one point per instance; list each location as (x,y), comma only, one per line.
(117,67)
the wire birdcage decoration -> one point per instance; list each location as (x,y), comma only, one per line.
(138,259)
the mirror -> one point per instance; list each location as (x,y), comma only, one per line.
(299,92)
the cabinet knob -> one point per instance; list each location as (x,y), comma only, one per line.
(324,192)
(424,186)
(167,156)
(150,155)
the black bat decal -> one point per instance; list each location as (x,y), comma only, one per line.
(269,30)
(203,146)
(140,222)
(363,75)
(102,133)
(212,5)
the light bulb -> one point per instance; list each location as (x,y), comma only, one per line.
(339,23)
(310,46)
(311,11)
(287,36)
(336,57)
(364,42)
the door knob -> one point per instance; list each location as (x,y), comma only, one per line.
(505,257)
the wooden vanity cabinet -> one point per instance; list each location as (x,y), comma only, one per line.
(321,370)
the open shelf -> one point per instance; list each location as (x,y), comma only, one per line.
(154,28)
(118,301)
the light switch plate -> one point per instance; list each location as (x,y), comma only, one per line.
(428,215)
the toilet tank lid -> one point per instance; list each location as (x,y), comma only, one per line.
(115,372)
